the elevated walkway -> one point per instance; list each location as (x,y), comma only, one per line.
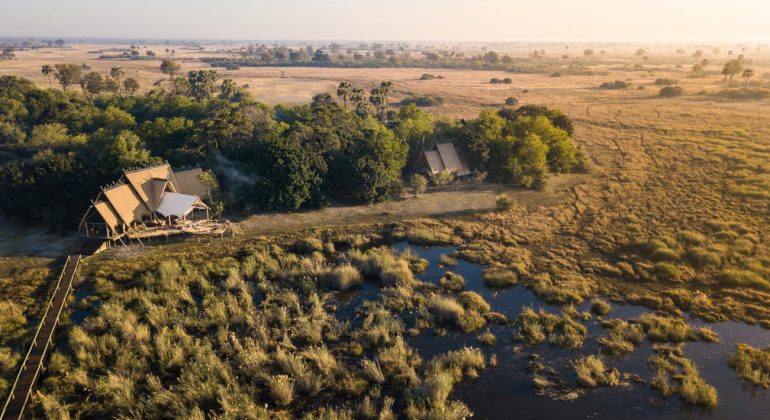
(31,367)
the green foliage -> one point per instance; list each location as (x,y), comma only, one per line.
(56,147)
(617,84)
(521,146)
(670,91)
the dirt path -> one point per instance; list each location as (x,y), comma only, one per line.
(461,199)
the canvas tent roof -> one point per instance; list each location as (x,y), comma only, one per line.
(109,217)
(126,204)
(139,180)
(178,205)
(434,161)
(189,182)
(450,159)
(159,186)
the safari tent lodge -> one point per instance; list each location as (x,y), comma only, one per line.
(153,201)
(443,158)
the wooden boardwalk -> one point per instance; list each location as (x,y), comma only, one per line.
(29,372)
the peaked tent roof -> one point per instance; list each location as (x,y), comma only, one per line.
(126,203)
(433,159)
(178,205)
(450,159)
(189,182)
(138,179)
(159,186)
(109,216)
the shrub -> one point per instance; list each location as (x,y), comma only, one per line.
(591,372)
(621,338)
(452,282)
(690,237)
(499,277)
(752,364)
(343,277)
(445,309)
(419,184)
(668,364)
(447,260)
(701,257)
(423,100)
(281,389)
(427,236)
(600,307)
(511,101)
(617,84)
(488,338)
(307,245)
(504,203)
(474,302)
(743,278)
(666,82)
(670,91)
(667,272)
(742,94)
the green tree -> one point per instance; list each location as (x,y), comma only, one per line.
(202,83)
(130,86)
(169,67)
(731,68)
(48,72)
(528,166)
(747,74)
(67,75)
(228,89)
(415,126)
(419,184)
(344,90)
(92,84)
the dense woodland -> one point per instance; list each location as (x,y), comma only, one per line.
(58,146)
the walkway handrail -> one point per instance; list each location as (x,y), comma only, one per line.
(37,333)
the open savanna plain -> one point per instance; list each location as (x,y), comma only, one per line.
(674,215)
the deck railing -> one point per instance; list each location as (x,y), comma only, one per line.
(22,369)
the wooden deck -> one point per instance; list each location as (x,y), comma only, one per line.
(203,227)
(30,369)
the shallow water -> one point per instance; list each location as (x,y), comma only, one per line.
(506,391)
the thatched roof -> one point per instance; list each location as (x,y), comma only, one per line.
(443,157)
(109,216)
(138,179)
(143,193)
(126,202)
(451,159)
(189,182)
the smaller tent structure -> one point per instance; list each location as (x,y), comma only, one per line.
(442,158)
(180,205)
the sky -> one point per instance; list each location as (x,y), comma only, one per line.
(407,20)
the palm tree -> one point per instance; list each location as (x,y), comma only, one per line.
(377,98)
(747,74)
(48,71)
(344,90)
(384,90)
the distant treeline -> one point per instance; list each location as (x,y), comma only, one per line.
(303,57)
(58,147)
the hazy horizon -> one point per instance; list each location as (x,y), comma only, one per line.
(431,20)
